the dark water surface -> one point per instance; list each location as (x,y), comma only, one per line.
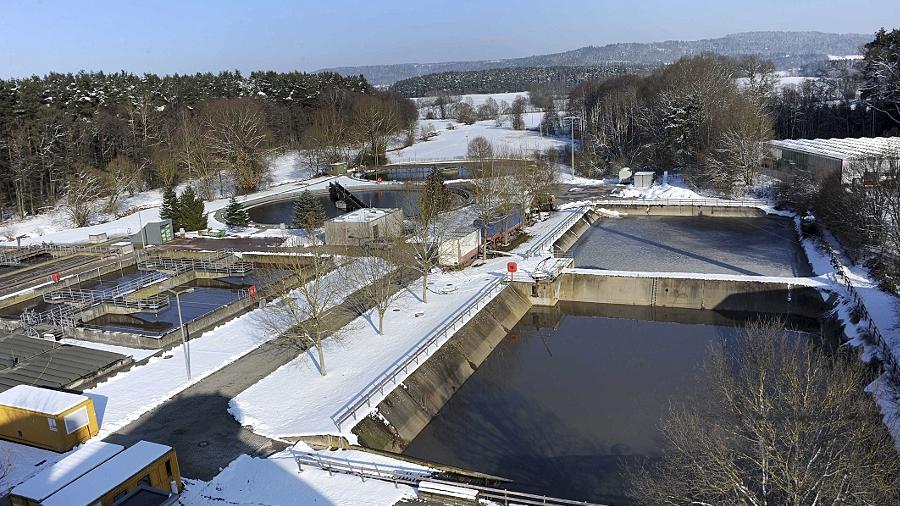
(283,211)
(766,246)
(572,394)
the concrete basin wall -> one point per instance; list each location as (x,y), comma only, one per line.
(686,210)
(759,296)
(410,407)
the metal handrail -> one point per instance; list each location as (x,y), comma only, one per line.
(352,406)
(410,476)
(887,354)
(702,202)
(556,232)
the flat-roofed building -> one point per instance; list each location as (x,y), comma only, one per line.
(46,418)
(144,465)
(56,476)
(46,363)
(364,226)
(855,160)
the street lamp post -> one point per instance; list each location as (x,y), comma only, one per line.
(184,339)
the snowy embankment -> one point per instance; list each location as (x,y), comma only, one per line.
(360,355)
(881,307)
(278,480)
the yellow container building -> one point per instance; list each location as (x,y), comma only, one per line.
(46,418)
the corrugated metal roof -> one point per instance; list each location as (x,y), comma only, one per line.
(843,149)
(45,363)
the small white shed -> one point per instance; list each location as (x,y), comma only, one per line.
(459,247)
(642,179)
(364,225)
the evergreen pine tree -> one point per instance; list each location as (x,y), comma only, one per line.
(308,212)
(170,208)
(190,210)
(235,214)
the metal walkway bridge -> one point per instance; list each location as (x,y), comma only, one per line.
(338,193)
(67,303)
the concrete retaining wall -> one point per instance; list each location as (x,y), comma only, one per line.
(659,210)
(659,291)
(411,406)
(571,236)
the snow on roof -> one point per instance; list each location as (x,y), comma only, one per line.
(67,470)
(364,215)
(843,149)
(41,400)
(108,475)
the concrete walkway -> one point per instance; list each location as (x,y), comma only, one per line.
(196,422)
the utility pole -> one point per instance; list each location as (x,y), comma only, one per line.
(184,340)
(572,123)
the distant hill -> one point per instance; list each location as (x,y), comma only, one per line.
(785,49)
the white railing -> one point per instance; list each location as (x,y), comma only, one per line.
(546,242)
(414,476)
(704,202)
(364,398)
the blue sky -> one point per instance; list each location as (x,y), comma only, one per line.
(187,36)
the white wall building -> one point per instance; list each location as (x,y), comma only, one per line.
(363,226)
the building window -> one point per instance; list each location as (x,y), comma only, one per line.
(169,468)
(76,420)
(51,422)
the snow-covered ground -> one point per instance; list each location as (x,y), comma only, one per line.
(136,353)
(128,395)
(288,174)
(354,360)
(22,462)
(276,480)
(361,355)
(658,192)
(453,144)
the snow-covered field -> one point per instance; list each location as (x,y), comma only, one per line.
(276,480)
(453,144)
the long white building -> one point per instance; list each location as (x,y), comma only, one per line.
(856,160)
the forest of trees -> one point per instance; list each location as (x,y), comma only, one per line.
(709,115)
(559,79)
(106,135)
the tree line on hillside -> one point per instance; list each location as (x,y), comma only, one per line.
(109,135)
(559,79)
(708,115)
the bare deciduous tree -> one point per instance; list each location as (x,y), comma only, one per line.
(82,190)
(782,423)
(303,315)
(376,274)
(120,176)
(239,140)
(431,226)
